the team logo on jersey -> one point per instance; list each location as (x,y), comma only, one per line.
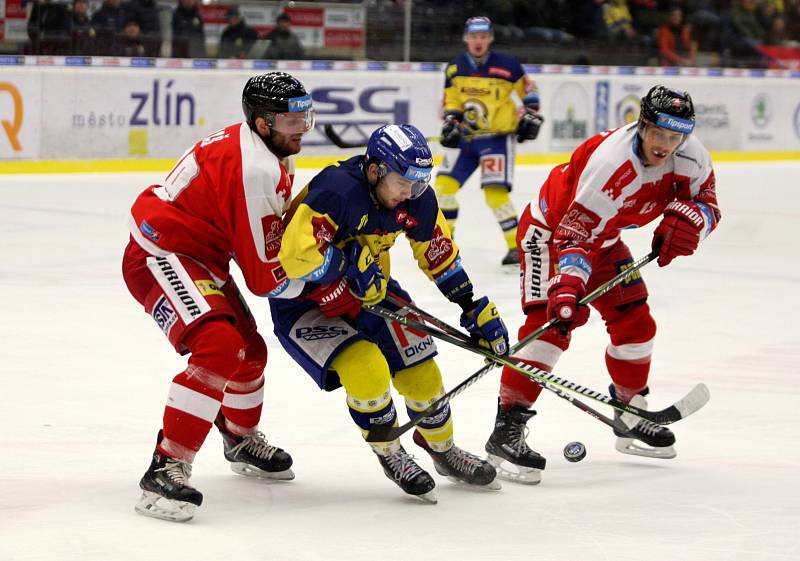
(323,229)
(439,250)
(279,274)
(149,231)
(273,231)
(164,315)
(577,224)
(319,332)
(408,221)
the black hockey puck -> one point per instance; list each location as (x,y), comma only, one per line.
(574,451)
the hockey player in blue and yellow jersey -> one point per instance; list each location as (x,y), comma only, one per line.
(337,239)
(488,101)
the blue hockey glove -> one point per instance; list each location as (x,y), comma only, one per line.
(367,282)
(484,323)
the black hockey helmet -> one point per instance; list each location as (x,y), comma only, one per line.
(274,92)
(668,108)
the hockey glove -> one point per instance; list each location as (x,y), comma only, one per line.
(679,231)
(563,295)
(484,323)
(366,278)
(335,299)
(451,130)
(529,125)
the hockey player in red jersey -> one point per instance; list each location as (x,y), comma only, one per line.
(569,243)
(223,200)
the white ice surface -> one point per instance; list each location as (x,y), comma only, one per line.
(85,374)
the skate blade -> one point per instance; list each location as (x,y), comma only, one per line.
(514,473)
(250,471)
(632,447)
(155,506)
(429,498)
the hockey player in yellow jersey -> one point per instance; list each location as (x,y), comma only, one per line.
(337,240)
(489,105)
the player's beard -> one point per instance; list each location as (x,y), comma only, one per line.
(282,145)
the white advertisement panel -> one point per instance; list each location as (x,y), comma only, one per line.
(153,112)
(160,113)
(20,114)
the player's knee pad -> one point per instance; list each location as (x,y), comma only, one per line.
(499,200)
(217,350)
(446,189)
(255,358)
(421,383)
(446,185)
(362,370)
(630,323)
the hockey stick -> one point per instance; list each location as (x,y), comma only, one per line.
(692,402)
(445,399)
(339,142)
(455,332)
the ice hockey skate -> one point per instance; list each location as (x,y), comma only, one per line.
(659,440)
(401,468)
(166,493)
(508,451)
(511,258)
(252,456)
(460,466)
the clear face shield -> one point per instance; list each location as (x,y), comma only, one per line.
(408,186)
(298,120)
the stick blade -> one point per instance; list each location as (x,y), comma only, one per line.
(694,400)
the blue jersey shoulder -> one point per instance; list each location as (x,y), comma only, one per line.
(497,65)
(341,192)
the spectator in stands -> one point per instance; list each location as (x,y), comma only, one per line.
(188,34)
(619,21)
(746,33)
(586,19)
(146,13)
(745,22)
(130,41)
(108,22)
(675,45)
(542,20)
(776,35)
(237,38)
(283,42)
(81,29)
(48,27)
(705,18)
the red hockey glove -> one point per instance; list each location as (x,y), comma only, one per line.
(679,231)
(335,299)
(562,302)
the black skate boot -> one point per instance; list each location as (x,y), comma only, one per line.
(401,468)
(511,258)
(507,444)
(459,465)
(166,493)
(659,439)
(253,456)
